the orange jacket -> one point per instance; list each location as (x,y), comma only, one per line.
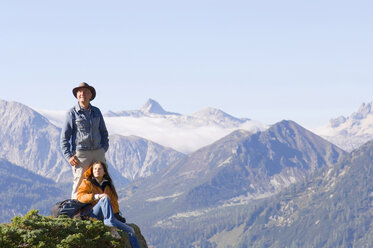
(87,191)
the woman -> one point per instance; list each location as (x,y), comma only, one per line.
(98,189)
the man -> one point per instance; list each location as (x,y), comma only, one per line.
(84,137)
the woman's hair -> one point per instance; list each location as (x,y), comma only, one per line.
(106,176)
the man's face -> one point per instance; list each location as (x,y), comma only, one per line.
(84,95)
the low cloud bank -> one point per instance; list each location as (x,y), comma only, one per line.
(185,137)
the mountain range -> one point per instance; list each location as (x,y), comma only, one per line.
(235,170)
(251,185)
(29,140)
(207,125)
(330,208)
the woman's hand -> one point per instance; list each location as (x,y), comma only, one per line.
(103,195)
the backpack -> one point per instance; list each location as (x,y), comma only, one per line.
(69,207)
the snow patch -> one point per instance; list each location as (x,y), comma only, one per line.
(160,198)
(227,161)
(245,199)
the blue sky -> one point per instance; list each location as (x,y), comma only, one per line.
(307,61)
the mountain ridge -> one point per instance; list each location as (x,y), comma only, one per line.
(135,157)
(331,209)
(29,140)
(236,169)
(23,189)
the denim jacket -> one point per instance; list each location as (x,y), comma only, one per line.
(83,130)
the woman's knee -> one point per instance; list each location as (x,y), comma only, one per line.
(126,228)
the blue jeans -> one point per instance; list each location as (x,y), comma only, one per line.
(104,210)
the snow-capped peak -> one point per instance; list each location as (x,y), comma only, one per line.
(217,115)
(151,106)
(350,132)
(209,112)
(363,112)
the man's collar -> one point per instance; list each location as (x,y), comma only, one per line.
(79,108)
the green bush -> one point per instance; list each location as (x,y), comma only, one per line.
(34,230)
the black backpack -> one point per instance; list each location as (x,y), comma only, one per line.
(70,207)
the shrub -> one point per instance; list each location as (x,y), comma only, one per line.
(34,230)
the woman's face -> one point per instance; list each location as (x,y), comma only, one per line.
(98,171)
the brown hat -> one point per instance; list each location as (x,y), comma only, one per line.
(85,85)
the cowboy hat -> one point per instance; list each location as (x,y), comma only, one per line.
(87,86)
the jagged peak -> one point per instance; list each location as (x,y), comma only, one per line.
(152,106)
(336,122)
(364,110)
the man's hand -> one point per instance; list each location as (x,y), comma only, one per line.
(74,161)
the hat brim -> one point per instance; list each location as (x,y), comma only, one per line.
(91,89)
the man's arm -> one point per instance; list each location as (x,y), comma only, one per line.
(66,133)
(104,134)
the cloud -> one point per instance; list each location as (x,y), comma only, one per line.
(180,133)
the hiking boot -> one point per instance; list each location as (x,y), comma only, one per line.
(114,233)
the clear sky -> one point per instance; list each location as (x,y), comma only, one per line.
(307,61)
